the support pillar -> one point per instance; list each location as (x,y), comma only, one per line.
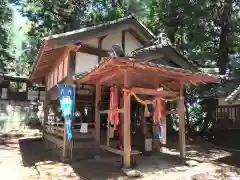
(64,151)
(164,132)
(181,112)
(126,125)
(45,110)
(97,113)
(127,132)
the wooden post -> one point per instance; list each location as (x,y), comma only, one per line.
(45,110)
(108,133)
(74,110)
(64,151)
(143,124)
(127,131)
(164,130)
(164,125)
(121,121)
(97,113)
(126,127)
(181,113)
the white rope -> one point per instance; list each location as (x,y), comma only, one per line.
(146,102)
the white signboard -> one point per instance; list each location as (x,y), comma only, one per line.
(4,93)
(84,128)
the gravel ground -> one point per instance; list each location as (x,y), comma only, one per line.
(29,160)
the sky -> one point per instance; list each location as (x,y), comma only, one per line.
(19,20)
(19,36)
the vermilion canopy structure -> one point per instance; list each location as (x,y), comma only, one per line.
(135,77)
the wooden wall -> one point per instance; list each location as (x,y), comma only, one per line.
(59,72)
(227,117)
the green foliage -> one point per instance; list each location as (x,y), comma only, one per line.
(5,34)
(19,64)
(12,60)
(188,25)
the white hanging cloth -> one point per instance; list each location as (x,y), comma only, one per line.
(111,132)
(84,128)
(164,132)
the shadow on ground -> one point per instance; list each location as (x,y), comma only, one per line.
(209,151)
(232,160)
(99,165)
(33,151)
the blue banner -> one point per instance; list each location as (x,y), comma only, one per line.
(66,99)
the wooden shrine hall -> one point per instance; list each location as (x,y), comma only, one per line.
(133,79)
(109,88)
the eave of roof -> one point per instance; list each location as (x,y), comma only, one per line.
(82,30)
(233,95)
(188,77)
(15,77)
(223,89)
(37,57)
(20,79)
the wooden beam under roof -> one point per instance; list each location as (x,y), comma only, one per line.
(142,75)
(136,36)
(93,50)
(154,92)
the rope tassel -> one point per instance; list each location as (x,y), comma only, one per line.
(159,111)
(113,106)
(159,119)
(146,111)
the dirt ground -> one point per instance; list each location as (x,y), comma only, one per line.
(29,159)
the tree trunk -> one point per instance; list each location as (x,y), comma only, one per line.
(224,44)
(209,105)
(169,123)
(187,117)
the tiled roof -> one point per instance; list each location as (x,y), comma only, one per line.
(96,27)
(233,90)
(159,42)
(224,89)
(233,95)
(170,68)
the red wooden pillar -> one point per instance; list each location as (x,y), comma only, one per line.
(97,113)
(126,125)
(127,131)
